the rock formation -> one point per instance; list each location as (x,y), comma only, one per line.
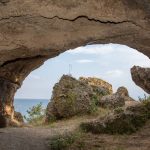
(33,31)
(98,83)
(118,99)
(141,76)
(72,97)
(123,121)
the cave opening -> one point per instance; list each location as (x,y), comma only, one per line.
(110,62)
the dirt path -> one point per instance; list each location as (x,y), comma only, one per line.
(137,141)
(37,138)
(27,138)
(34,138)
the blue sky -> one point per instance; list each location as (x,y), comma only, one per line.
(110,62)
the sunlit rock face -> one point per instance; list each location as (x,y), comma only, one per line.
(75,97)
(35,30)
(96,82)
(141,76)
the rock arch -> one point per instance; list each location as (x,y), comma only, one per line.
(35,30)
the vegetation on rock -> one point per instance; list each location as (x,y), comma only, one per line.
(122,121)
(76,97)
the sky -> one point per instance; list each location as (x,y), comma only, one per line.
(110,62)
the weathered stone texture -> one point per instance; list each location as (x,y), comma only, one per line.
(75,97)
(30,29)
(141,77)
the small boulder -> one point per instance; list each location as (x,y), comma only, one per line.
(18,116)
(118,99)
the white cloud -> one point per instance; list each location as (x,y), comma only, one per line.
(105,57)
(34,77)
(114,73)
(83,61)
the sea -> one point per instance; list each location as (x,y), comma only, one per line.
(22,105)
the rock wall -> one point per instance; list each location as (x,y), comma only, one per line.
(32,31)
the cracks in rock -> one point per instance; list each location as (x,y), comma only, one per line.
(76,18)
(4,2)
(15,16)
(95,20)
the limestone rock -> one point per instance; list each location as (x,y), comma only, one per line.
(95,82)
(118,99)
(141,76)
(32,31)
(72,97)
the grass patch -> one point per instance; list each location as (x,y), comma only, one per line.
(64,141)
(146,102)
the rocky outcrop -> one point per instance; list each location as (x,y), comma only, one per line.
(119,99)
(34,31)
(72,97)
(122,121)
(98,83)
(141,76)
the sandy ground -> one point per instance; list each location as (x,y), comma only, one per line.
(34,138)
(26,138)
(37,138)
(137,141)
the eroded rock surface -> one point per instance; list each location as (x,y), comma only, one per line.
(74,97)
(119,99)
(96,83)
(36,30)
(141,77)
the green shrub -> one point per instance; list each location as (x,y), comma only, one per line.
(118,110)
(63,142)
(146,102)
(145,99)
(36,115)
(94,104)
